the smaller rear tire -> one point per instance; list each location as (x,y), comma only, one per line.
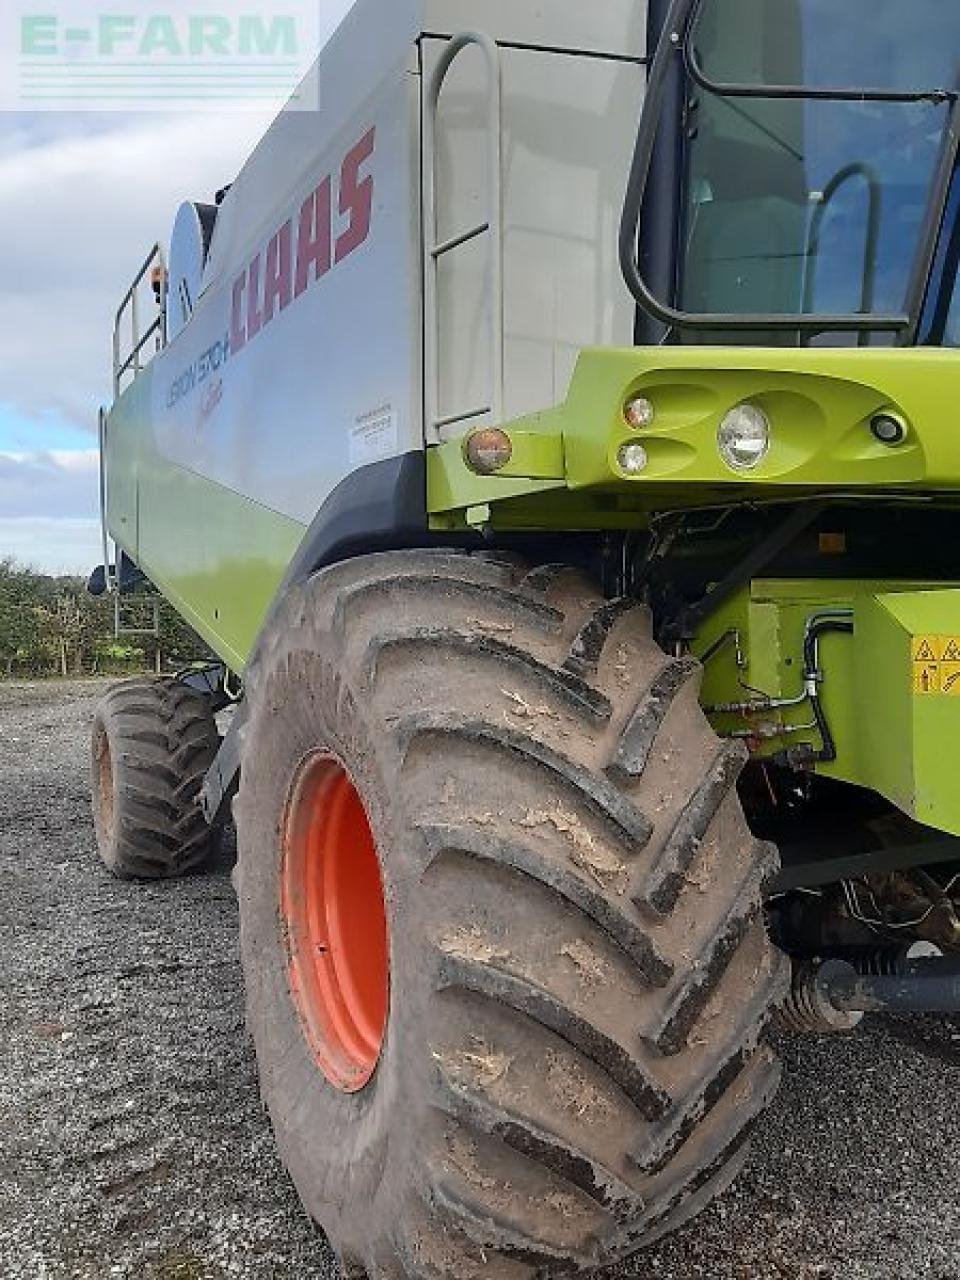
(153,741)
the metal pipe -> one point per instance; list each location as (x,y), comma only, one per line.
(155,252)
(132,362)
(874,186)
(836,620)
(659,247)
(108,577)
(924,986)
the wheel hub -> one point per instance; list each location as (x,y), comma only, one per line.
(333,909)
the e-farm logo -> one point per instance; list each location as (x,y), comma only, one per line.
(185,55)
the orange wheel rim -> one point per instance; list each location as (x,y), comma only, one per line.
(335,919)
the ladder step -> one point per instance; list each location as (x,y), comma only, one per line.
(448,246)
(452,418)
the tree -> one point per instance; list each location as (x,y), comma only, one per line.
(51,626)
(22,615)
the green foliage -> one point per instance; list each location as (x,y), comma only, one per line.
(51,626)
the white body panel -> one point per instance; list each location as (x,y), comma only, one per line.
(281,409)
(569,125)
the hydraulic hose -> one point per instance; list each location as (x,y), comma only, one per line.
(816,628)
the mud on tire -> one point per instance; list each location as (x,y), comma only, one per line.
(151,746)
(579,967)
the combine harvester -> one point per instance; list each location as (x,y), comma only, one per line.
(574,512)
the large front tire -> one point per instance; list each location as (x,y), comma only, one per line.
(579,971)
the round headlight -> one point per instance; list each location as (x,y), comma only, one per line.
(639,413)
(632,459)
(744,437)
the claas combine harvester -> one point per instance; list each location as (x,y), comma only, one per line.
(556,437)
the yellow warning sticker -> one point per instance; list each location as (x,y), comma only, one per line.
(924,650)
(936,665)
(926,677)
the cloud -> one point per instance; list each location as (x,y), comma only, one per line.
(19,433)
(49,509)
(52,546)
(57,484)
(77,215)
(82,198)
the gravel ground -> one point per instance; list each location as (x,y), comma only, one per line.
(133,1144)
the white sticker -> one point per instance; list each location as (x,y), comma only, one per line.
(374,437)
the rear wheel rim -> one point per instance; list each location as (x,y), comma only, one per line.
(335,925)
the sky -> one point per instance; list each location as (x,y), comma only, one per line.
(82,198)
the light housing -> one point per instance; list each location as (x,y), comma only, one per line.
(632,459)
(638,412)
(488,450)
(889,429)
(744,437)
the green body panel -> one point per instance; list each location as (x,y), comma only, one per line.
(820,403)
(912,755)
(752,647)
(217,556)
(224,586)
(891,736)
(122,448)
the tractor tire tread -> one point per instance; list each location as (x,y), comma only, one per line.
(162,740)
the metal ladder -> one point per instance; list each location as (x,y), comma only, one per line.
(125,625)
(435,250)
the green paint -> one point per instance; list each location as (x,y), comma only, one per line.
(820,403)
(889,738)
(912,754)
(217,556)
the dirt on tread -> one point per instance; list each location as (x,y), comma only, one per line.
(121,1043)
(152,743)
(549,808)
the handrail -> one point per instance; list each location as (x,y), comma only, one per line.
(130,361)
(435,250)
(108,577)
(836,184)
(676,42)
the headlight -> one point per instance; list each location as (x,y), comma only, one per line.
(639,413)
(632,459)
(744,437)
